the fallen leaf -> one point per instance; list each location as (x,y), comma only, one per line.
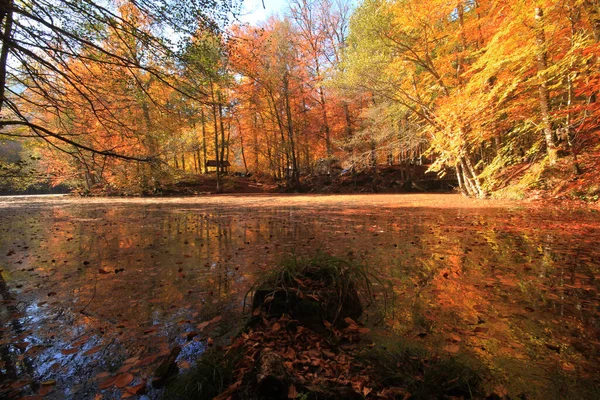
(452,348)
(107,383)
(93,350)
(452,337)
(22,345)
(292,392)
(137,389)
(44,390)
(568,366)
(123,380)
(102,375)
(206,323)
(66,352)
(146,361)
(124,368)
(131,360)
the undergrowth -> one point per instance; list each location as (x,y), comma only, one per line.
(335,362)
(212,374)
(330,287)
(425,375)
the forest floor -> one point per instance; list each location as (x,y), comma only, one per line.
(562,182)
(567,181)
(383,179)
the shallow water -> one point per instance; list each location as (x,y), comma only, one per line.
(512,285)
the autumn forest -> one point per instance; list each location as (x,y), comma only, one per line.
(299,199)
(133,95)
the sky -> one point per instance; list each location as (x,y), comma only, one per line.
(253,11)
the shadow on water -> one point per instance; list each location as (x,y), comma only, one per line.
(97,294)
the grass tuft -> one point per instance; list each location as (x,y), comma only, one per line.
(322,285)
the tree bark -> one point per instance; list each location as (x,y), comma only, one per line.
(216,126)
(223,142)
(203,140)
(6,21)
(543,86)
(288,110)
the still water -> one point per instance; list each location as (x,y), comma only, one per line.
(95,292)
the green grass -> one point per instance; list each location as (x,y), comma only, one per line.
(336,283)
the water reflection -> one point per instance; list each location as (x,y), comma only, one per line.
(92,290)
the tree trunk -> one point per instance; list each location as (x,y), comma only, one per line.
(255,138)
(216,126)
(474,178)
(203,140)
(243,154)
(461,186)
(325,122)
(6,21)
(288,110)
(468,183)
(223,143)
(543,87)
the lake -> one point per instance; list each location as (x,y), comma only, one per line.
(103,287)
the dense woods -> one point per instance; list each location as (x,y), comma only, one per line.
(132,95)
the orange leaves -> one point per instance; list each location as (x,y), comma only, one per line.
(70,351)
(292,392)
(93,350)
(204,324)
(310,358)
(123,380)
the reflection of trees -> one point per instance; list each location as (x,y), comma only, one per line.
(452,269)
(17,329)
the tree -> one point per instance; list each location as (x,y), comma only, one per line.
(50,47)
